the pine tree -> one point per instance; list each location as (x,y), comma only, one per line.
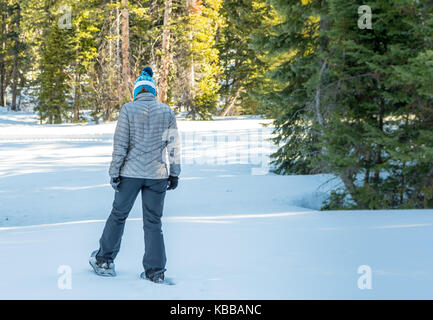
(12,50)
(126,53)
(84,33)
(166,59)
(291,48)
(17,50)
(196,60)
(106,74)
(3,50)
(56,57)
(205,56)
(243,69)
(354,102)
(379,137)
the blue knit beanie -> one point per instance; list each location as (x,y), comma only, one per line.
(145,80)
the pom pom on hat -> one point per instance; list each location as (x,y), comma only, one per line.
(148,70)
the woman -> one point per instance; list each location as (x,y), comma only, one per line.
(146,131)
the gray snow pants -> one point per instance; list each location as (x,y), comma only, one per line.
(152,195)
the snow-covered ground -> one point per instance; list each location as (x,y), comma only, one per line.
(232,230)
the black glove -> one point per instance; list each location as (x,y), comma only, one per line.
(172,182)
(115,182)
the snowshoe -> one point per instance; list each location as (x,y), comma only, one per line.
(102,268)
(157,277)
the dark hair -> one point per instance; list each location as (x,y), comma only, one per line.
(143,90)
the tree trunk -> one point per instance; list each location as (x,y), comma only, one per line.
(317,107)
(347,177)
(230,103)
(154,7)
(190,76)
(165,61)
(126,51)
(77,96)
(2,57)
(190,83)
(118,63)
(15,62)
(367,170)
(379,146)
(20,92)
(323,46)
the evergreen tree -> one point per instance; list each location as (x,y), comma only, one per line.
(242,68)
(16,51)
(84,46)
(291,48)
(353,102)
(12,52)
(378,139)
(3,50)
(196,86)
(205,53)
(56,57)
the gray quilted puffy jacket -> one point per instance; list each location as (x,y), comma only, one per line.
(146,135)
